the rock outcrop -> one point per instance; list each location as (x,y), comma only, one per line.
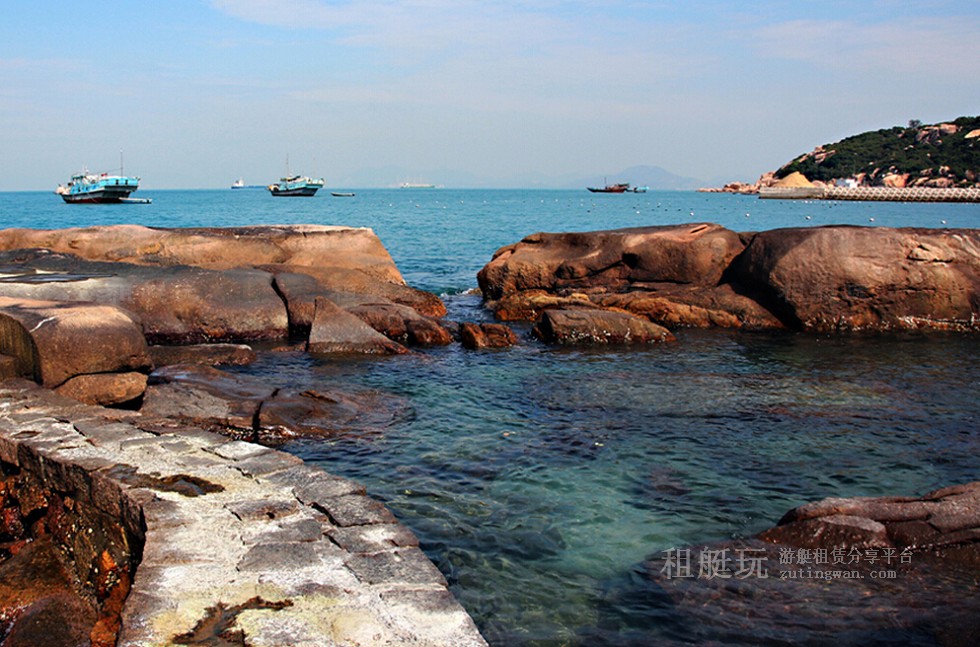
(814,279)
(80,308)
(944,523)
(895,570)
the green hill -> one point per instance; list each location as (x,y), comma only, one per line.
(943,155)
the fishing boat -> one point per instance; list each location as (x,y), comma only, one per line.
(296,185)
(620,187)
(99,188)
(342,194)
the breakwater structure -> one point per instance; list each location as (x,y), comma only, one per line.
(213,537)
(871,193)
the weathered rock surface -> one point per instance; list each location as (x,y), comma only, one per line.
(488,335)
(204,354)
(945,522)
(246,408)
(861,278)
(598,327)
(889,570)
(241,544)
(336,330)
(815,279)
(218,248)
(695,254)
(208,284)
(176,304)
(52,342)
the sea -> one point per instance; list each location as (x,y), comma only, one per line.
(542,481)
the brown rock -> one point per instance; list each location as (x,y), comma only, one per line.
(104,389)
(204,354)
(217,248)
(177,304)
(62,620)
(327,413)
(707,307)
(528,305)
(53,342)
(245,407)
(696,254)
(205,396)
(598,327)
(337,331)
(858,278)
(488,335)
(829,532)
(402,324)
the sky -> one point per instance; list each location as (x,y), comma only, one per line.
(195,94)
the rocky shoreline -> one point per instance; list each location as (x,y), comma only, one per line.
(136,318)
(817,280)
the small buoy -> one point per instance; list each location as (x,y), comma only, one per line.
(871,219)
(809,218)
(943,221)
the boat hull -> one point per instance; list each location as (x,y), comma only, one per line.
(101,196)
(305,191)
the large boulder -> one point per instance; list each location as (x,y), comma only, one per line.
(816,279)
(218,248)
(52,342)
(339,258)
(336,330)
(177,304)
(696,254)
(862,278)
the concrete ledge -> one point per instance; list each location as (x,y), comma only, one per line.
(237,538)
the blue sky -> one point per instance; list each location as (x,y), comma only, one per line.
(465,93)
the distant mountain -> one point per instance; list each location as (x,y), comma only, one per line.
(938,155)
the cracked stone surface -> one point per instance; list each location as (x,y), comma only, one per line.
(239,538)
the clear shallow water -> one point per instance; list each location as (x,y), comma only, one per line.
(539,479)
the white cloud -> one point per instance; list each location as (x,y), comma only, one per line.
(944,47)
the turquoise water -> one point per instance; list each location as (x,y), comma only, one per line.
(540,479)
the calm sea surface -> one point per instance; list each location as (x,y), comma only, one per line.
(540,479)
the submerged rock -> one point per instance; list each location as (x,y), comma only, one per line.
(245,407)
(888,570)
(488,335)
(598,327)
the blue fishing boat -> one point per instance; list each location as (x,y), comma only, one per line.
(296,185)
(98,188)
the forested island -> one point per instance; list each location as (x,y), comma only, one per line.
(943,155)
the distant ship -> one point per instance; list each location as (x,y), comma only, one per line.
(296,185)
(415,185)
(621,187)
(240,184)
(98,188)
